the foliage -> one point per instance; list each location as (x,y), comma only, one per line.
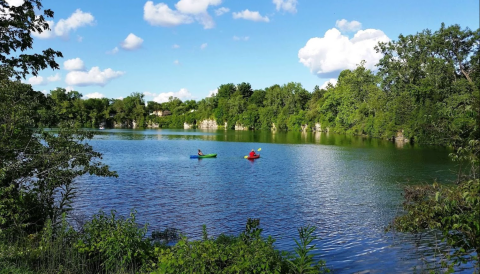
(453,210)
(16,25)
(246,253)
(304,261)
(37,167)
(115,243)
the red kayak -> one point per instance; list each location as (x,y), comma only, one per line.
(253,157)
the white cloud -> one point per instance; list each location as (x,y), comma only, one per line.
(286,5)
(76,20)
(345,26)
(212,93)
(195,6)
(15,3)
(335,52)
(64,26)
(132,42)
(93,77)
(147,93)
(54,78)
(221,11)
(69,88)
(175,46)
(182,94)
(36,80)
(161,15)
(74,64)
(203,46)
(206,20)
(40,81)
(176,62)
(186,12)
(238,38)
(113,51)
(250,15)
(94,95)
(332,81)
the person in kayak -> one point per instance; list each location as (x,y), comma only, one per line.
(200,153)
(252,153)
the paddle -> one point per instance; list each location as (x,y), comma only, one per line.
(259,149)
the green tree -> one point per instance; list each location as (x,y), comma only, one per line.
(37,168)
(226,90)
(16,27)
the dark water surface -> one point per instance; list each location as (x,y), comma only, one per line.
(348,187)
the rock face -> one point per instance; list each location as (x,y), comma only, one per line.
(152,125)
(187,126)
(240,127)
(274,128)
(317,128)
(208,124)
(122,125)
(400,137)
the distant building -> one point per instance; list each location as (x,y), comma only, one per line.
(161,113)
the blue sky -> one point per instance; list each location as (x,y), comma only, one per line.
(187,48)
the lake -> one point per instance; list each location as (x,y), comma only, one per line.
(348,187)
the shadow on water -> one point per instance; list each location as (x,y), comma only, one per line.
(348,187)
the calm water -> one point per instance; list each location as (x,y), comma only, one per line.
(348,187)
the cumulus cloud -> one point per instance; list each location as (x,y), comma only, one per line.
(97,95)
(250,15)
(328,55)
(113,51)
(203,46)
(64,26)
(147,93)
(345,26)
(332,81)
(40,81)
(15,3)
(36,80)
(206,20)
(195,6)
(212,93)
(187,11)
(175,46)
(183,94)
(69,88)
(286,5)
(76,20)
(161,15)
(238,38)
(132,42)
(92,77)
(221,11)
(54,78)
(74,64)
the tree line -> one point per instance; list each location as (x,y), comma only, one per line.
(426,87)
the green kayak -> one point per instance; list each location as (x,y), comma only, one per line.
(203,156)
